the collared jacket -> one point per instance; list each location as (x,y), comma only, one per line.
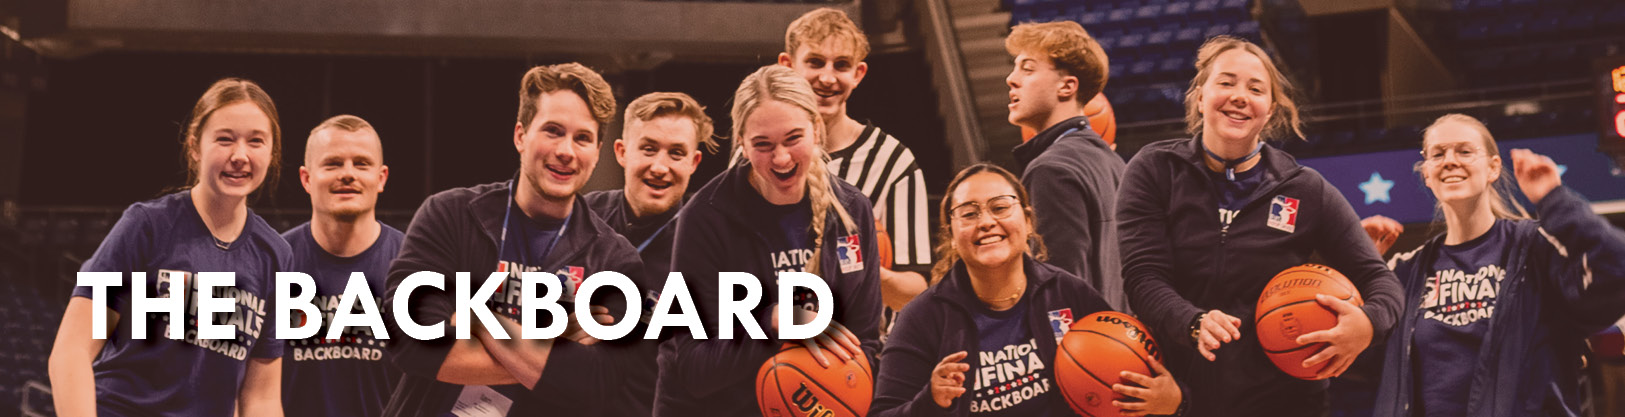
(1073,175)
(457,230)
(941,321)
(715,377)
(1180,260)
(1565,280)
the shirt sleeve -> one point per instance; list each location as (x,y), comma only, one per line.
(1583,260)
(125,250)
(1061,205)
(1142,224)
(708,365)
(1348,249)
(428,246)
(907,220)
(902,387)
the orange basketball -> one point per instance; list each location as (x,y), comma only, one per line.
(792,384)
(1101,118)
(1092,354)
(883,244)
(1287,309)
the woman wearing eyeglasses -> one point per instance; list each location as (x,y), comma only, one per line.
(981,341)
(1498,307)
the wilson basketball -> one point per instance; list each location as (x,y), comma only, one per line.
(1101,118)
(1092,354)
(1287,309)
(792,384)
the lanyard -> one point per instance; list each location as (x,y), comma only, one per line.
(507,214)
(1230,164)
(656,234)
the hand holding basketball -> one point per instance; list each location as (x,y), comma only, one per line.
(1345,341)
(1217,329)
(1383,231)
(837,340)
(1158,395)
(1537,174)
(948,379)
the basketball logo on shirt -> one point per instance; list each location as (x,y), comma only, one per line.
(1060,321)
(572,276)
(1284,213)
(847,249)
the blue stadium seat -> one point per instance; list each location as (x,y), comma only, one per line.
(1189,35)
(1149,12)
(1159,39)
(1216,30)
(1120,16)
(1130,41)
(1177,9)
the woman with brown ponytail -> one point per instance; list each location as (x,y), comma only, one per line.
(778,211)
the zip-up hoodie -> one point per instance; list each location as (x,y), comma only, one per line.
(1072,175)
(942,321)
(714,234)
(1565,280)
(457,230)
(1179,261)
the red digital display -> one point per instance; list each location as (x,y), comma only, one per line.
(1617,75)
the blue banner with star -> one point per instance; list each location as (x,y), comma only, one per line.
(1386,183)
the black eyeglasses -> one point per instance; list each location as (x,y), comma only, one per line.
(999,207)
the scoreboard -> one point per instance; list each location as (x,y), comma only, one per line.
(1610,73)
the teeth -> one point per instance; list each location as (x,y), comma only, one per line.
(990,240)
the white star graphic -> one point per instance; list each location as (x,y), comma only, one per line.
(1376,189)
(1562,169)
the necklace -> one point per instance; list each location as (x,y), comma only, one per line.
(1001,300)
(223,245)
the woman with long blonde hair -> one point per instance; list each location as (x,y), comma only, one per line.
(777,211)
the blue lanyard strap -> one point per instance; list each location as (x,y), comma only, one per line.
(651,238)
(1230,164)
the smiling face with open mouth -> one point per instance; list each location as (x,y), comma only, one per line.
(659,156)
(989,242)
(833,70)
(1456,167)
(344,172)
(781,143)
(559,148)
(234,151)
(1236,101)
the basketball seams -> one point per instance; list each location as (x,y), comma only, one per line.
(1070,358)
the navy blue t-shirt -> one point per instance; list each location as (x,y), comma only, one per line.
(788,229)
(1012,379)
(1233,194)
(348,376)
(166,239)
(1459,299)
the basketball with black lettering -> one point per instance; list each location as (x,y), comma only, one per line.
(1287,309)
(792,384)
(1094,351)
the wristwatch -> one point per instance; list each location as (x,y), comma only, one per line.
(1196,329)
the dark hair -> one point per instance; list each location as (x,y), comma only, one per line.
(946,256)
(574,77)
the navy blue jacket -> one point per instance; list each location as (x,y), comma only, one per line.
(1178,261)
(1565,280)
(1072,175)
(941,321)
(654,234)
(457,230)
(714,234)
